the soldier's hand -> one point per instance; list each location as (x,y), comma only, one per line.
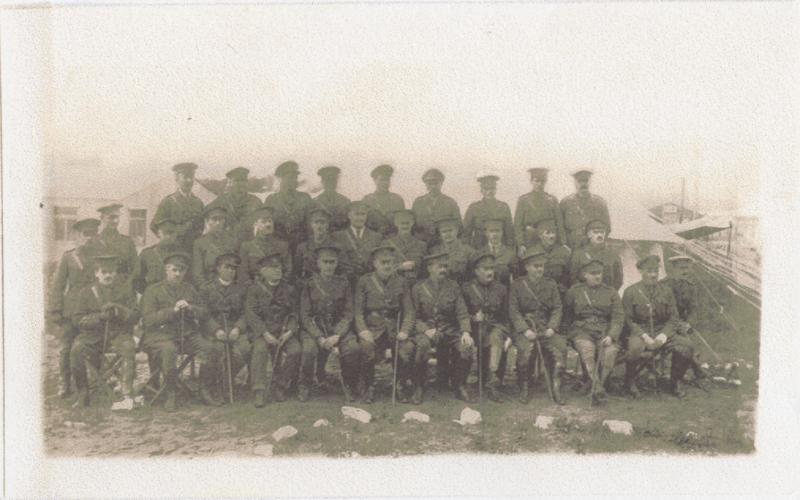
(648,341)
(430,332)
(466,339)
(234,333)
(661,339)
(285,336)
(530,334)
(220,334)
(521,251)
(401,336)
(549,333)
(606,341)
(270,339)
(407,265)
(181,304)
(366,336)
(478,317)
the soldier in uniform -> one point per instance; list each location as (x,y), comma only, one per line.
(593,316)
(382,203)
(535,311)
(651,320)
(150,265)
(224,297)
(533,207)
(182,207)
(238,205)
(74,272)
(384,318)
(487,303)
(442,320)
(334,202)
(580,208)
(326,316)
(273,327)
(505,258)
(488,208)
(290,205)
(432,207)
(173,312)
(597,249)
(264,242)
(111,242)
(558,256)
(356,242)
(409,251)
(104,314)
(305,262)
(458,253)
(216,241)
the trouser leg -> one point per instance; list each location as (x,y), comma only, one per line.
(369,353)
(421,357)
(586,348)
(310,353)
(258,363)
(350,354)
(68,334)
(288,367)
(84,350)
(461,355)
(125,348)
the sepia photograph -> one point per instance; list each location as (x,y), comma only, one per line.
(357,231)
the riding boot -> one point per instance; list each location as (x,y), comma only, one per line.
(557,386)
(170,383)
(493,391)
(677,370)
(631,371)
(522,380)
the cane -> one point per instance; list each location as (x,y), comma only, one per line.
(480,361)
(339,355)
(546,371)
(228,367)
(394,368)
(596,374)
(277,351)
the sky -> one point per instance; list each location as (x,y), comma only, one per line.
(643,94)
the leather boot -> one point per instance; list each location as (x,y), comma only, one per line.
(208,398)
(493,391)
(462,393)
(402,393)
(523,392)
(82,399)
(557,387)
(64,389)
(417,397)
(676,374)
(169,404)
(302,393)
(278,395)
(369,395)
(631,370)
(258,399)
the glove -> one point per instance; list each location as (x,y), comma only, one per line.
(366,336)
(401,336)
(430,332)
(684,328)
(234,333)
(530,335)
(478,317)
(606,341)
(466,339)
(270,339)
(549,333)
(220,334)
(181,304)
(661,339)
(332,341)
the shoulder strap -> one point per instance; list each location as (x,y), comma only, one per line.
(378,284)
(428,291)
(478,292)
(96,293)
(527,287)
(77,259)
(587,298)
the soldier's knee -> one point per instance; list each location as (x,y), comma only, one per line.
(497,337)
(310,349)
(126,348)
(293,349)
(405,349)
(259,347)
(423,344)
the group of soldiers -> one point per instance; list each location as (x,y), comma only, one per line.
(285,283)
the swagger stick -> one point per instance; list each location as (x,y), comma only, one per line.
(228,367)
(394,368)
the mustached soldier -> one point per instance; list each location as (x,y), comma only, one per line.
(382,203)
(182,207)
(150,265)
(488,208)
(558,256)
(264,242)
(305,261)
(273,328)
(104,314)
(597,249)
(505,259)
(216,241)
(458,253)
(535,311)
(111,242)
(326,316)
(334,202)
(594,316)
(487,303)
(442,320)
(74,272)
(238,205)
(382,298)
(409,251)
(432,207)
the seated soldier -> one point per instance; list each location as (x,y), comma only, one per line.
(596,248)
(104,314)
(264,242)
(408,249)
(558,256)
(594,317)
(224,298)
(149,267)
(217,240)
(442,321)
(273,327)
(651,319)
(305,262)
(326,316)
(384,319)
(505,258)
(487,303)
(172,312)
(535,311)
(356,242)
(458,253)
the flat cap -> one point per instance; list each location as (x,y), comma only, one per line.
(180,258)
(184,168)
(546,224)
(428,259)
(238,173)
(433,174)
(329,171)
(263,211)
(287,168)
(595,224)
(163,221)
(85,225)
(381,249)
(582,172)
(443,221)
(106,261)
(648,262)
(536,252)
(386,170)
(357,204)
(229,258)
(109,208)
(592,265)
(272,259)
(680,258)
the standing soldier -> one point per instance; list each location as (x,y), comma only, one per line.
(238,205)
(356,242)
(384,318)
(104,315)
(224,298)
(111,242)
(442,321)
(458,253)
(172,312)
(651,318)
(333,201)
(597,249)
(505,259)
(290,205)
(382,203)
(593,316)
(264,242)
(432,207)
(182,207)
(150,265)
(535,311)
(558,256)
(216,241)
(305,262)
(580,208)
(326,316)
(488,208)
(533,207)
(74,272)
(273,328)
(487,303)
(409,251)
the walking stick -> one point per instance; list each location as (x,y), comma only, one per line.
(228,367)
(480,361)
(596,374)
(546,371)
(277,352)
(394,368)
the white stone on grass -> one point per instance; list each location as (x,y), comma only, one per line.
(125,404)
(619,426)
(322,423)
(543,422)
(416,416)
(469,417)
(263,450)
(284,432)
(356,414)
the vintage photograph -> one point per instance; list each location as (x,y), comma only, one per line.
(315,231)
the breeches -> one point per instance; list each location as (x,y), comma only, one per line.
(87,348)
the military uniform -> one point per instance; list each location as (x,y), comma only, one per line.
(186,210)
(686,299)
(150,265)
(381,208)
(612,265)
(505,261)
(98,330)
(206,250)
(356,250)
(305,263)
(476,216)
(381,306)
(256,249)
(459,255)
(110,242)
(430,208)
(533,207)
(578,210)
(407,248)
(290,208)
(557,266)
(326,309)
(337,205)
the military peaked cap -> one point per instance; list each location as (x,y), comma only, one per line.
(433,173)
(287,168)
(85,225)
(109,208)
(382,170)
(329,171)
(184,168)
(238,173)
